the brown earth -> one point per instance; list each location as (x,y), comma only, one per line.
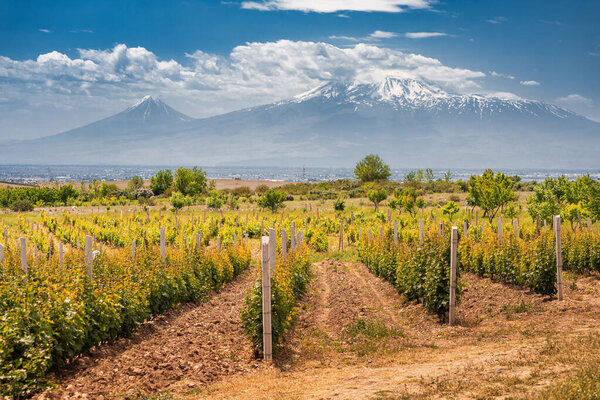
(179,351)
(355,338)
(508,342)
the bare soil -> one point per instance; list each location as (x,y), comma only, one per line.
(177,352)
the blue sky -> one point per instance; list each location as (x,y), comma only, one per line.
(67,63)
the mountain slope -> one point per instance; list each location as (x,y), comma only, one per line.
(410,123)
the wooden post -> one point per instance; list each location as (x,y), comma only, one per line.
(272,251)
(453,251)
(441,229)
(293,237)
(163,252)
(133,250)
(476,217)
(516,228)
(341,246)
(89,257)
(421,231)
(266,301)
(465,228)
(537,225)
(482,227)
(395,233)
(381,234)
(234,240)
(369,236)
(559,281)
(500,230)
(218,243)
(579,220)
(283,244)
(24,254)
(60,253)
(1,254)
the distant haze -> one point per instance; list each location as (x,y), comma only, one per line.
(408,122)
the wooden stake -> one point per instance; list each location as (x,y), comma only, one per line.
(218,243)
(266,301)
(283,244)
(60,253)
(453,251)
(559,280)
(133,250)
(89,257)
(341,245)
(163,252)
(395,233)
(465,228)
(2,255)
(293,237)
(272,251)
(421,231)
(24,254)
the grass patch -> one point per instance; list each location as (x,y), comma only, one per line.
(371,330)
(584,385)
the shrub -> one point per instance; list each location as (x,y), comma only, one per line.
(22,205)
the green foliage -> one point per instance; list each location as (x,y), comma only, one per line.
(21,205)
(417,271)
(178,201)
(190,181)
(290,280)
(67,192)
(512,210)
(135,183)
(450,209)
(215,200)
(55,314)
(490,192)
(377,196)
(339,205)
(372,168)
(272,199)
(161,182)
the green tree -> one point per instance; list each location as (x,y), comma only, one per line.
(372,168)
(339,205)
(271,199)
(572,213)
(429,176)
(420,202)
(450,209)
(67,192)
(190,181)
(215,200)
(490,192)
(377,196)
(135,183)
(512,210)
(178,201)
(161,182)
(447,176)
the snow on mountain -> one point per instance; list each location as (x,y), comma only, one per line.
(409,123)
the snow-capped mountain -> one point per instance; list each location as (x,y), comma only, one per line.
(410,123)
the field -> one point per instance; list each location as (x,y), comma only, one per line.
(369,320)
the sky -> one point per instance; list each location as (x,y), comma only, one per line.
(67,63)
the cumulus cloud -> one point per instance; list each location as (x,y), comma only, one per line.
(501,75)
(382,35)
(331,6)
(530,83)
(575,99)
(206,84)
(423,35)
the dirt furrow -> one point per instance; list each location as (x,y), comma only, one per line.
(178,352)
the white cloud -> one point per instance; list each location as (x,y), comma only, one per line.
(505,95)
(497,20)
(44,30)
(331,6)
(97,83)
(423,35)
(530,83)
(575,99)
(382,35)
(501,75)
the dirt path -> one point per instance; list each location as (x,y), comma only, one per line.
(356,338)
(178,352)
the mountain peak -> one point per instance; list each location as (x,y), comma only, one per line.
(150,109)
